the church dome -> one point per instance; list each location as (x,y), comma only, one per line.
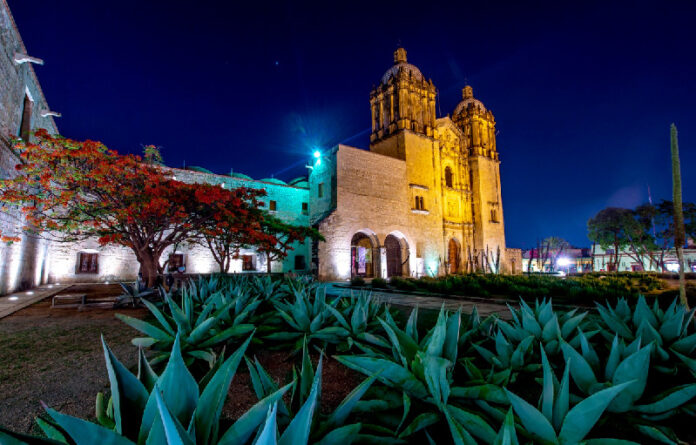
(400,63)
(468,101)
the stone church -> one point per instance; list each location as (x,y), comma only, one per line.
(424,200)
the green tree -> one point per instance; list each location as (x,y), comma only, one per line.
(679,235)
(613,227)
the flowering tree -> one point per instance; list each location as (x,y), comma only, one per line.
(226,233)
(280,237)
(71,190)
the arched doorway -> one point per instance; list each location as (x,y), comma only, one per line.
(453,258)
(397,255)
(362,256)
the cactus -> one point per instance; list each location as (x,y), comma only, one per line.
(679,235)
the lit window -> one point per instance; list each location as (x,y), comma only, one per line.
(88,262)
(305,208)
(272,206)
(248,262)
(300,262)
(320,190)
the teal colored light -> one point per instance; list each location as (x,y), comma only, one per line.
(317,154)
(318,162)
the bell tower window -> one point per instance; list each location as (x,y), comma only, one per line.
(448,177)
(25,124)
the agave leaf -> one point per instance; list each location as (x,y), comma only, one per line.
(343,435)
(412,325)
(507,434)
(50,430)
(306,382)
(547,393)
(671,328)
(435,372)
(145,327)
(84,432)
(580,370)
(331,333)
(146,375)
(643,314)
(613,360)
(656,434)
(339,317)
(517,359)
(614,323)
(648,333)
(297,432)
(340,414)
(571,324)
(633,368)
(8,437)
(436,342)
(503,348)
(201,330)
(268,433)
(128,394)
(450,347)
(404,347)
(207,414)
(421,421)
(583,416)
(533,421)
(516,334)
(180,316)
(460,436)
(390,373)
(674,399)
(530,324)
(685,345)
(179,390)
(473,423)
(562,402)
(689,362)
(244,427)
(232,331)
(407,408)
(175,433)
(487,392)
(609,442)
(551,329)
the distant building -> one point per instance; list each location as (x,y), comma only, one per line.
(628,261)
(573,260)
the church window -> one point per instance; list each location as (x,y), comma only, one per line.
(494,215)
(25,125)
(248,262)
(305,208)
(88,262)
(420,205)
(320,190)
(272,206)
(300,263)
(448,177)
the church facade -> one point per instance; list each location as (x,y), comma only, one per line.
(425,199)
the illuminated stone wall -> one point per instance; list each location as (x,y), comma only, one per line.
(22,264)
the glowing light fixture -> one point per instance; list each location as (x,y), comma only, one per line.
(563,261)
(318,162)
(13,298)
(30,293)
(317,154)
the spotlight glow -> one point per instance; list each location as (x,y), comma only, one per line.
(563,262)
(30,293)
(317,154)
(13,298)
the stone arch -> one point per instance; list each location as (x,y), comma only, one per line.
(364,254)
(397,255)
(453,256)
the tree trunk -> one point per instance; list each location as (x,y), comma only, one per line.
(268,264)
(149,268)
(679,235)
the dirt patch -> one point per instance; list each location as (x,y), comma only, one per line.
(54,355)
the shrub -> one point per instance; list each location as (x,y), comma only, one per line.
(379,283)
(357,281)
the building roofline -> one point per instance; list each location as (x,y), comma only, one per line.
(235,178)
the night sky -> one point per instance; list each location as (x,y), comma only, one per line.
(583,94)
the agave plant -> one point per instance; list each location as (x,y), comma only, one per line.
(200,328)
(325,429)
(308,316)
(133,294)
(171,408)
(359,316)
(418,377)
(508,358)
(544,325)
(672,330)
(553,421)
(629,364)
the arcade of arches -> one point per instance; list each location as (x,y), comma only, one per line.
(367,256)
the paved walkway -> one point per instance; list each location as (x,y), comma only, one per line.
(9,304)
(484,308)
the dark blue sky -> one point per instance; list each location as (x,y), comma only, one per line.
(583,93)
